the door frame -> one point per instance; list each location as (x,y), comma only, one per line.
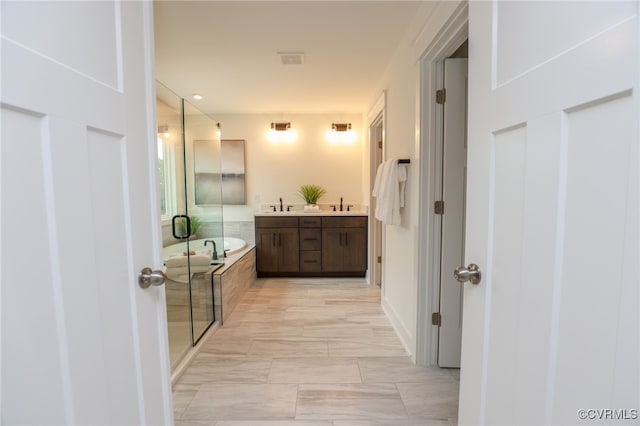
(430,180)
(376,118)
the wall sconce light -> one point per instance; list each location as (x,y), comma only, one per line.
(218,131)
(341,133)
(164,130)
(281,132)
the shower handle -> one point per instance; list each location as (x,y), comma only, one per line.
(148,277)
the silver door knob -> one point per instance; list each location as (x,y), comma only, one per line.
(470,273)
(148,277)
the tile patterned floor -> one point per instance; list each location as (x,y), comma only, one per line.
(311,352)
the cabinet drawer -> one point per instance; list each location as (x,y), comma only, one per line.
(310,261)
(310,239)
(344,222)
(310,222)
(276,222)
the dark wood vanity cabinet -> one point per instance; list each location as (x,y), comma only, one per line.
(324,246)
(344,244)
(277,245)
(310,244)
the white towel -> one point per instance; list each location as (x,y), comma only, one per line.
(201,258)
(182,270)
(183,279)
(389,191)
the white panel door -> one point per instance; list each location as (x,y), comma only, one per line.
(82,343)
(550,335)
(453,188)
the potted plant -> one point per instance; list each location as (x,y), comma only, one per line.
(195,225)
(311,194)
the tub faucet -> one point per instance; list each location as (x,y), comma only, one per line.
(281,204)
(214,255)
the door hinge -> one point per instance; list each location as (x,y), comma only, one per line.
(438,207)
(441,96)
(379,259)
(436,319)
(380,144)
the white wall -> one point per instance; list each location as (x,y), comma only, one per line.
(402,134)
(278,170)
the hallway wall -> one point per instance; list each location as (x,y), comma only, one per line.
(402,129)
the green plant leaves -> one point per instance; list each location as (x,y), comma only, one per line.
(195,225)
(311,193)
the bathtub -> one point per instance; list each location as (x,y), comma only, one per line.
(231,246)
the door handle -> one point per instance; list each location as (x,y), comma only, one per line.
(148,277)
(187,219)
(470,273)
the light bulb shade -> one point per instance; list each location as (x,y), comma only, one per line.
(281,126)
(341,133)
(281,132)
(164,130)
(341,127)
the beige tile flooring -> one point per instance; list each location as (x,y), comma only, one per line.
(311,352)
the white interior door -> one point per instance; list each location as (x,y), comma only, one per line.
(552,214)
(453,187)
(82,343)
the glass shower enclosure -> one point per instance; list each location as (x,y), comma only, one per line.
(192,224)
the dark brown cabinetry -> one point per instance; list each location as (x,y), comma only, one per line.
(344,244)
(324,246)
(310,244)
(277,245)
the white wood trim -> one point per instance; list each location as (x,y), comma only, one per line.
(400,329)
(154,190)
(379,106)
(377,112)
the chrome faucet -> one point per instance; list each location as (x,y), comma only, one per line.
(214,255)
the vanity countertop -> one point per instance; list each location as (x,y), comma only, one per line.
(319,213)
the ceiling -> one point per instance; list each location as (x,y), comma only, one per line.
(227,51)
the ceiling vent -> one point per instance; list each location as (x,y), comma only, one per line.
(291,58)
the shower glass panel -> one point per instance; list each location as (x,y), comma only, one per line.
(191,193)
(171,171)
(204,200)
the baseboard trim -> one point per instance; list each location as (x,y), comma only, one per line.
(400,329)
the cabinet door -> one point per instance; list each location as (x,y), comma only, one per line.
(267,250)
(354,256)
(288,250)
(332,249)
